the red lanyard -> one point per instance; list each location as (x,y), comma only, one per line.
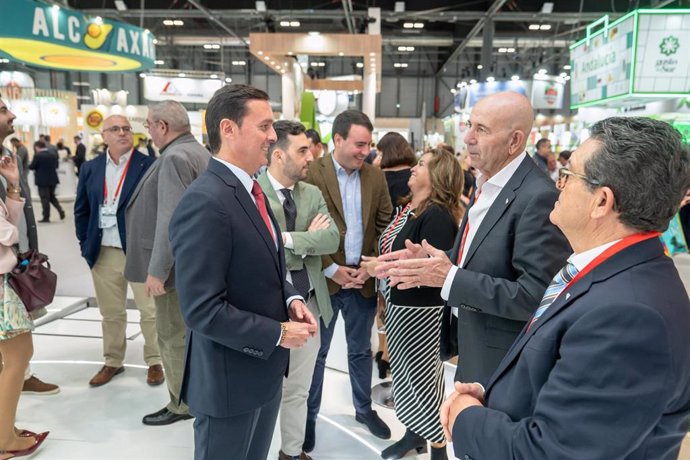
(616,248)
(385,240)
(119,184)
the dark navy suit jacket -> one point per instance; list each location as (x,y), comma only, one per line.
(230,279)
(603,374)
(90,197)
(45,165)
(512,259)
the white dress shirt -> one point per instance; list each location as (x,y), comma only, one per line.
(488,192)
(113,174)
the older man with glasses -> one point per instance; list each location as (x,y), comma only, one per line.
(105,186)
(602,369)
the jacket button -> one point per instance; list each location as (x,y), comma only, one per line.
(261,353)
(245,349)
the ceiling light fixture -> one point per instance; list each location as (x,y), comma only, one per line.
(515,77)
(545,27)
(418,25)
(567,67)
(408,25)
(399,7)
(159,62)
(120,5)
(181,74)
(480,67)
(295,24)
(213,75)
(534,27)
(490,79)
(228,80)
(260,6)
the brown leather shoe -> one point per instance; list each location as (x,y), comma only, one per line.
(105,375)
(155,375)
(302,456)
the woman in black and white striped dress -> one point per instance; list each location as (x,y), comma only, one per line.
(413,317)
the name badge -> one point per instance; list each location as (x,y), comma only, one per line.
(107,216)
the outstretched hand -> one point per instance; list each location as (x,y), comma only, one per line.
(420,265)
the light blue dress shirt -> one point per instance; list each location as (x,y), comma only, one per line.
(351,194)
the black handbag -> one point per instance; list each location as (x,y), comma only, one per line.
(33,280)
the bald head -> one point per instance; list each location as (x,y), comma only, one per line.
(118,136)
(512,110)
(499,127)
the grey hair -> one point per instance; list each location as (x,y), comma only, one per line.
(646,165)
(173,113)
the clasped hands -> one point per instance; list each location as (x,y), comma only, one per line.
(302,325)
(415,266)
(464,396)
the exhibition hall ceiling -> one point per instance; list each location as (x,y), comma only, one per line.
(423,37)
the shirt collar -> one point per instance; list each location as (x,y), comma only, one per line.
(339,169)
(277,186)
(171,142)
(501,178)
(123,158)
(244,178)
(584,258)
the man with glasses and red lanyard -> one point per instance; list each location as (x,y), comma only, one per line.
(602,369)
(105,185)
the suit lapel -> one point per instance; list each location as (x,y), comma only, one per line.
(99,176)
(499,207)
(273,200)
(572,294)
(367,190)
(302,207)
(250,209)
(133,173)
(629,257)
(331,181)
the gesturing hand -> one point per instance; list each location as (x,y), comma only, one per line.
(407,273)
(346,277)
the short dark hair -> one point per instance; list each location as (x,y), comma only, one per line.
(646,165)
(46,137)
(313,136)
(541,142)
(15,139)
(283,129)
(344,121)
(395,151)
(40,144)
(229,102)
(565,154)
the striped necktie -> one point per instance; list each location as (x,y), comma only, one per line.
(559,282)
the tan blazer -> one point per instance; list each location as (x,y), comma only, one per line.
(376,211)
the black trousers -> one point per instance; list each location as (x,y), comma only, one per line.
(241,437)
(48,197)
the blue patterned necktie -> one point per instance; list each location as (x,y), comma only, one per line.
(559,282)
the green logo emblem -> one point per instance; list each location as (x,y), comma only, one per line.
(669,45)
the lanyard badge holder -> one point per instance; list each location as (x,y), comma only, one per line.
(107,211)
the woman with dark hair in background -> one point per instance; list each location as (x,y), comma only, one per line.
(413,316)
(396,159)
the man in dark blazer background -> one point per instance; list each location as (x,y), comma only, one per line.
(358,201)
(603,370)
(506,252)
(45,165)
(242,315)
(105,186)
(79,153)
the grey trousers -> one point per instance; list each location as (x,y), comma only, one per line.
(293,408)
(171,334)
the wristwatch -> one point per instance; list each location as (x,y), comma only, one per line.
(11,188)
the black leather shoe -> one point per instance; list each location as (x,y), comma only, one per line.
(309,436)
(439,453)
(410,442)
(374,423)
(164,417)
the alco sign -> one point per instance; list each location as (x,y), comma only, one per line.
(59,38)
(644,54)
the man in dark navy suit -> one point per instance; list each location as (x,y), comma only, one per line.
(602,369)
(45,165)
(241,313)
(105,185)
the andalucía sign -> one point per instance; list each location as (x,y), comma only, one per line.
(59,38)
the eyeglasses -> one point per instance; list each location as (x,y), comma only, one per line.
(564,173)
(117,129)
